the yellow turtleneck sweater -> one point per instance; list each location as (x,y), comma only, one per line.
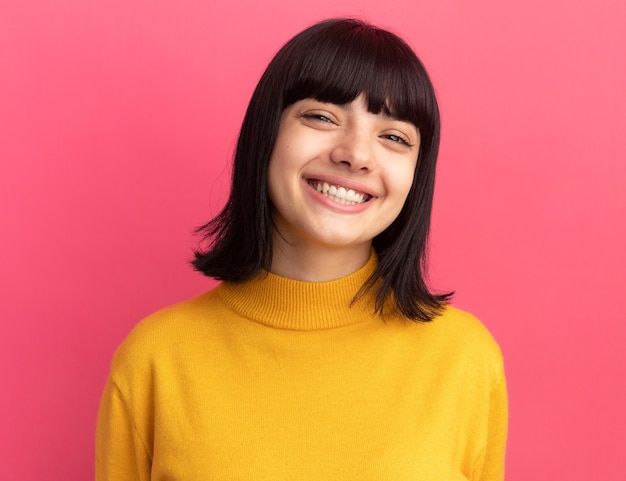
(275,379)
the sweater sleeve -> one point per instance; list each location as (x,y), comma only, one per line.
(492,466)
(120,452)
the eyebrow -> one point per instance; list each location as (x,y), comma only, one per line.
(385,111)
(387,114)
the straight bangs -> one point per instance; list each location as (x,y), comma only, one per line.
(350,59)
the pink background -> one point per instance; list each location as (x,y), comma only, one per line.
(117,122)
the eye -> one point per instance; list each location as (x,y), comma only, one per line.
(317,116)
(396,138)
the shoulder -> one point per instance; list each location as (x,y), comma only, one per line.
(162,333)
(462,326)
(456,337)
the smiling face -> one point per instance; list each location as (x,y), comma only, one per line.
(338,176)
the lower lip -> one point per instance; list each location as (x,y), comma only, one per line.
(336,206)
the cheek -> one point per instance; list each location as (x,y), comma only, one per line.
(402,180)
(282,178)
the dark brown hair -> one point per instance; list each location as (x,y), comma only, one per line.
(334,61)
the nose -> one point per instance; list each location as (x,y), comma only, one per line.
(354,150)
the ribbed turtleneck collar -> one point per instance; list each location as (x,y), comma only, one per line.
(290,304)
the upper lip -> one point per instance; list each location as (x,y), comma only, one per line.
(343,182)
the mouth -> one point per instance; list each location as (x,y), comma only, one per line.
(339,193)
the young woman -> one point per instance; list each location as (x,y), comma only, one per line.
(322,355)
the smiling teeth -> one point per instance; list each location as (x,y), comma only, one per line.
(339,194)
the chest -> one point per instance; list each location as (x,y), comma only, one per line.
(308,415)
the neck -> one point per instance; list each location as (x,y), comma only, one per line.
(317,263)
(286,303)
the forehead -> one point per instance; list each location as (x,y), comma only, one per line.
(390,82)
